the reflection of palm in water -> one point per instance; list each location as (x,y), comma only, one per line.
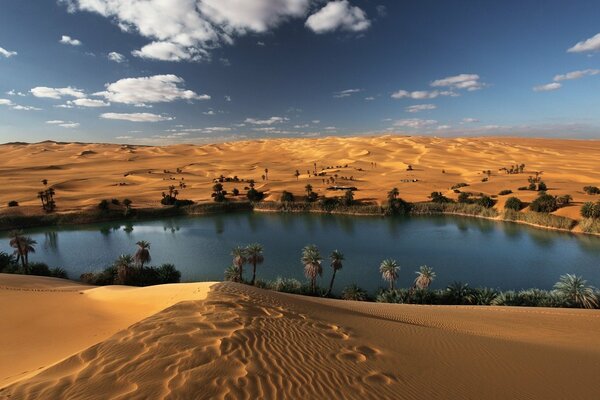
(51,241)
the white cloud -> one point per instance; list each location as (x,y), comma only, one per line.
(469,120)
(123,137)
(69,40)
(547,87)
(316,121)
(268,121)
(370,98)
(421,94)
(591,44)
(55,122)
(116,57)
(330,128)
(151,89)
(443,127)
(56,93)
(187,29)
(25,108)
(420,107)
(209,112)
(70,125)
(414,123)
(7,53)
(87,103)
(13,106)
(259,43)
(469,82)
(338,15)
(136,117)
(15,93)
(346,93)
(168,51)
(576,74)
(227,98)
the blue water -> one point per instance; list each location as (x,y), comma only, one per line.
(480,252)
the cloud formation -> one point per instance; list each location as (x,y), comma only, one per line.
(57,93)
(9,103)
(414,123)
(6,53)
(268,121)
(116,57)
(136,117)
(338,15)
(346,93)
(420,107)
(149,89)
(547,87)
(468,82)
(591,44)
(69,41)
(421,94)
(576,75)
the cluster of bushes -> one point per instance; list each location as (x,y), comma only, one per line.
(105,204)
(591,189)
(9,265)
(13,203)
(454,208)
(514,203)
(546,203)
(135,276)
(459,185)
(540,218)
(482,200)
(591,210)
(505,192)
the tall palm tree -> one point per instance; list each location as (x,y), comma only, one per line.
(574,289)
(254,253)
(23,245)
(142,255)
(393,194)
(124,266)
(336,258)
(389,271)
(425,276)
(311,259)
(308,189)
(239,259)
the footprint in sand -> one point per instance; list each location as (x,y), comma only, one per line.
(357,354)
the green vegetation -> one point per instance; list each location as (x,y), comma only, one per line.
(514,203)
(13,203)
(353,292)
(591,210)
(591,190)
(505,192)
(544,203)
(389,270)
(311,259)
(541,219)
(336,258)
(459,185)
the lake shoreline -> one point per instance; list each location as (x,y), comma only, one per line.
(10,222)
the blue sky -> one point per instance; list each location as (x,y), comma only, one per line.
(150,71)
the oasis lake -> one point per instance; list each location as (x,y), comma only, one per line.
(479,252)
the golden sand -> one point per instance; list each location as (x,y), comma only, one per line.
(238,342)
(84,174)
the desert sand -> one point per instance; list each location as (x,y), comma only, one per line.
(234,341)
(83,174)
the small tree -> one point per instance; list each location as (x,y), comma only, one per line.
(544,203)
(286,197)
(513,203)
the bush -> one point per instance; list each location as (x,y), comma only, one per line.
(459,185)
(523,188)
(181,203)
(513,203)
(146,276)
(590,225)
(459,293)
(235,192)
(464,198)
(287,197)
(286,285)
(485,201)
(505,192)
(7,262)
(353,292)
(438,197)
(116,202)
(167,273)
(59,273)
(103,205)
(591,189)
(544,203)
(590,210)
(397,207)
(542,187)
(254,195)
(397,296)
(541,219)
(484,296)
(13,203)
(564,200)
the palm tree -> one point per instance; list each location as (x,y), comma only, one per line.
(353,292)
(142,255)
(389,271)
(123,266)
(239,259)
(308,189)
(574,289)
(393,194)
(311,259)
(232,273)
(254,253)
(336,258)
(425,276)
(23,245)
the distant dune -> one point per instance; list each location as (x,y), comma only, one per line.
(239,342)
(86,173)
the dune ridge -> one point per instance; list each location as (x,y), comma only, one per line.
(84,173)
(246,343)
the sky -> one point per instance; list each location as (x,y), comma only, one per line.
(198,71)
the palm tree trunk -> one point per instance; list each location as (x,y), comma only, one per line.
(24,264)
(331,283)
(253,273)
(391,285)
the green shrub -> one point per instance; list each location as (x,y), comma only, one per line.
(13,203)
(459,293)
(513,203)
(398,296)
(544,203)
(39,268)
(59,273)
(286,285)
(167,273)
(103,205)
(484,296)
(590,210)
(287,196)
(590,225)
(459,185)
(438,197)
(485,201)
(591,189)
(353,292)
(116,202)
(505,192)
(541,219)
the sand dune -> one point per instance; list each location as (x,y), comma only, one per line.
(246,343)
(84,174)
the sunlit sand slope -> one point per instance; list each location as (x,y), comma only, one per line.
(246,343)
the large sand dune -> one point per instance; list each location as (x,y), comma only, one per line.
(83,174)
(245,343)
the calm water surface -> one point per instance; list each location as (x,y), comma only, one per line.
(480,252)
